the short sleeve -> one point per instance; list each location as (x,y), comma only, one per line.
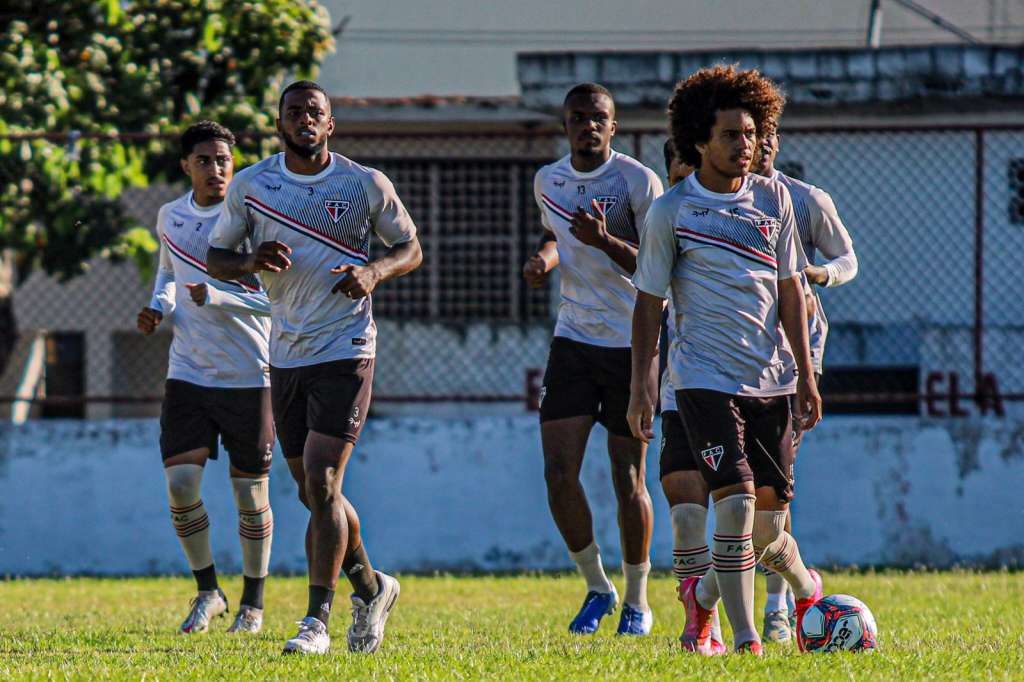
(538,196)
(786,248)
(391,221)
(656,257)
(643,192)
(232,226)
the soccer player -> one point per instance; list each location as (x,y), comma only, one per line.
(311,213)
(681,481)
(724,241)
(216,384)
(819,229)
(593,202)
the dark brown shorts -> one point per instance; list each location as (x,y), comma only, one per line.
(331,398)
(738,439)
(193,416)
(676,454)
(586,380)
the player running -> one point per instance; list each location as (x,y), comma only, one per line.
(311,212)
(724,241)
(216,384)
(681,481)
(820,229)
(592,204)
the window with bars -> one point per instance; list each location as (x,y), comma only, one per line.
(1015,171)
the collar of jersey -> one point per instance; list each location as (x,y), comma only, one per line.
(204,211)
(776,175)
(306,179)
(700,189)
(589,174)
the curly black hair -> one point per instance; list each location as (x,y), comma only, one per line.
(696,101)
(204,131)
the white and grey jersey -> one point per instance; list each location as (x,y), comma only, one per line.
(326,220)
(722,256)
(820,229)
(597,296)
(668,386)
(211,346)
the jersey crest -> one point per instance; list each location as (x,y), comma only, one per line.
(769,227)
(606,202)
(336,208)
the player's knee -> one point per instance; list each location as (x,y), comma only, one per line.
(319,487)
(627,482)
(768,526)
(557,474)
(184,483)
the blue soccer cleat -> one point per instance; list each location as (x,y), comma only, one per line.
(634,621)
(596,606)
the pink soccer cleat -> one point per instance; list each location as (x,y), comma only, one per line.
(803,604)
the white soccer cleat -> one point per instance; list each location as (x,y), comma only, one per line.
(776,627)
(248,619)
(367,629)
(205,607)
(312,638)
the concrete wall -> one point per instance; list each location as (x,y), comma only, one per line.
(451,491)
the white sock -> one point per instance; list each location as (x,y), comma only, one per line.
(588,561)
(775,601)
(690,553)
(778,551)
(188,514)
(775,587)
(636,584)
(790,599)
(255,524)
(733,558)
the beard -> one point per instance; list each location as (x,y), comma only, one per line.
(306,151)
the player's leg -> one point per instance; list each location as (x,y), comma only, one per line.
(779,605)
(246,424)
(568,408)
(769,434)
(187,440)
(687,497)
(714,424)
(628,468)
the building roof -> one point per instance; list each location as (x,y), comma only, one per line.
(819,77)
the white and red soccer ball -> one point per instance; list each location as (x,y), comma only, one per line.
(838,622)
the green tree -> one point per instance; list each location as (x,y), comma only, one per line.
(81,80)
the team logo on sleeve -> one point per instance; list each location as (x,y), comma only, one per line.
(606,202)
(713,456)
(336,208)
(769,227)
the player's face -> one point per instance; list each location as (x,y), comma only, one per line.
(589,124)
(305,122)
(767,150)
(210,167)
(730,151)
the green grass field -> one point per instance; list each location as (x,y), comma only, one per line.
(932,625)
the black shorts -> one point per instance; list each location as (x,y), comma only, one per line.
(586,380)
(676,454)
(193,416)
(738,439)
(331,398)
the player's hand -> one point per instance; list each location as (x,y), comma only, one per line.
(272,257)
(358,281)
(535,270)
(590,229)
(149,319)
(640,415)
(197,292)
(816,274)
(808,403)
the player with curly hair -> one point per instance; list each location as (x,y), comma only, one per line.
(723,242)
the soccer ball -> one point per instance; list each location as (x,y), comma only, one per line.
(838,622)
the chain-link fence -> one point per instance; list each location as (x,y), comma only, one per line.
(932,324)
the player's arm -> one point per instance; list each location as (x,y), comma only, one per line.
(208,293)
(832,239)
(161,304)
(655,261)
(542,262)
(223,261)
(396,229)
(793,315)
